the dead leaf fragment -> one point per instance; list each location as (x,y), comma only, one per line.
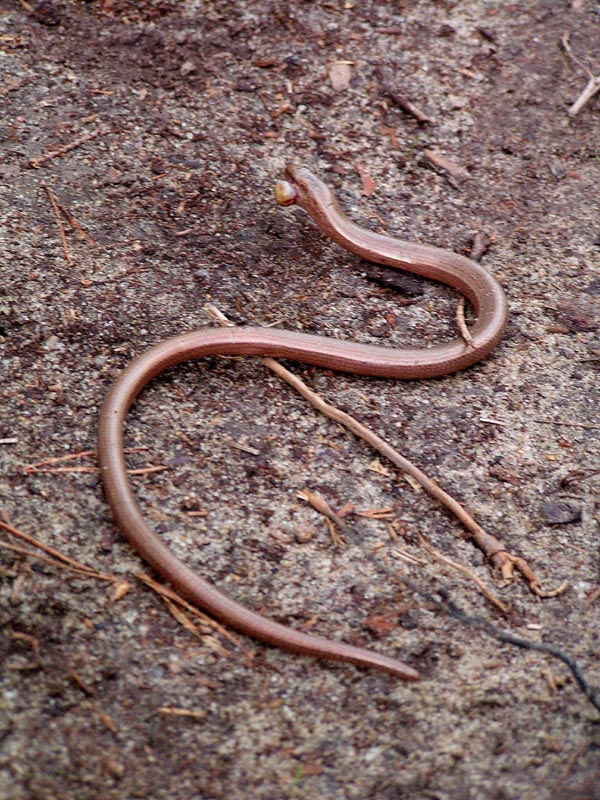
(379,624)
(120,590)
(453,169)
(368,184)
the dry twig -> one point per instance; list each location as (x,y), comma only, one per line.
(43,466)
(593,84)
(181,712)
(322,507)
(59,224)
(58,559)
(454,173)
(465,571)
(61,151)
(401,101)
(74,224)
(170,594)
(493,548)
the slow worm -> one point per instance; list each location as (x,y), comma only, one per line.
(302,188)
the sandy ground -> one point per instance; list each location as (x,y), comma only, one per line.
(159,128)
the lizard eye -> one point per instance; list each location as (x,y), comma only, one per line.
(285,193)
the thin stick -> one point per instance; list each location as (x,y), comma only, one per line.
(74,224)
(171,594)
(322,507)
(31,468)
(465,571)
(450,168)
(491,546)
(60,151)
(59,224)
(182,618)
(85,571)
(441,600)
(406,105)
(593,84)
(400,100)
(181,712)
(52,552)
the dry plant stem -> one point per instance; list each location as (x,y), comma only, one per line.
(85,571)
(465,571)
(592,88)
(441,601)
(321,505)
(59,224)
(61,151)
(593,84)
(55,553)
(406,105)
(490,545)
(452,169)
(168,593)
(181,712)
(75,225)
(400,100)
(33,468)
(30,468)
(182,618)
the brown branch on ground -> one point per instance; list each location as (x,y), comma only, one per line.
(58,559)
(57,460)
(593,85)
(42,466)
(66,148)
(182,618)
(465,571)
(59,224)
(453,172)
(181,712)
(170,594)
(399,99)
(493,548)
(22,551)
(322,507)
(74,224)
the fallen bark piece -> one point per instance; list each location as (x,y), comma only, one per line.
(451,168)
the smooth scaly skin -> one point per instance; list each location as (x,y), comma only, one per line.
(311,194)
